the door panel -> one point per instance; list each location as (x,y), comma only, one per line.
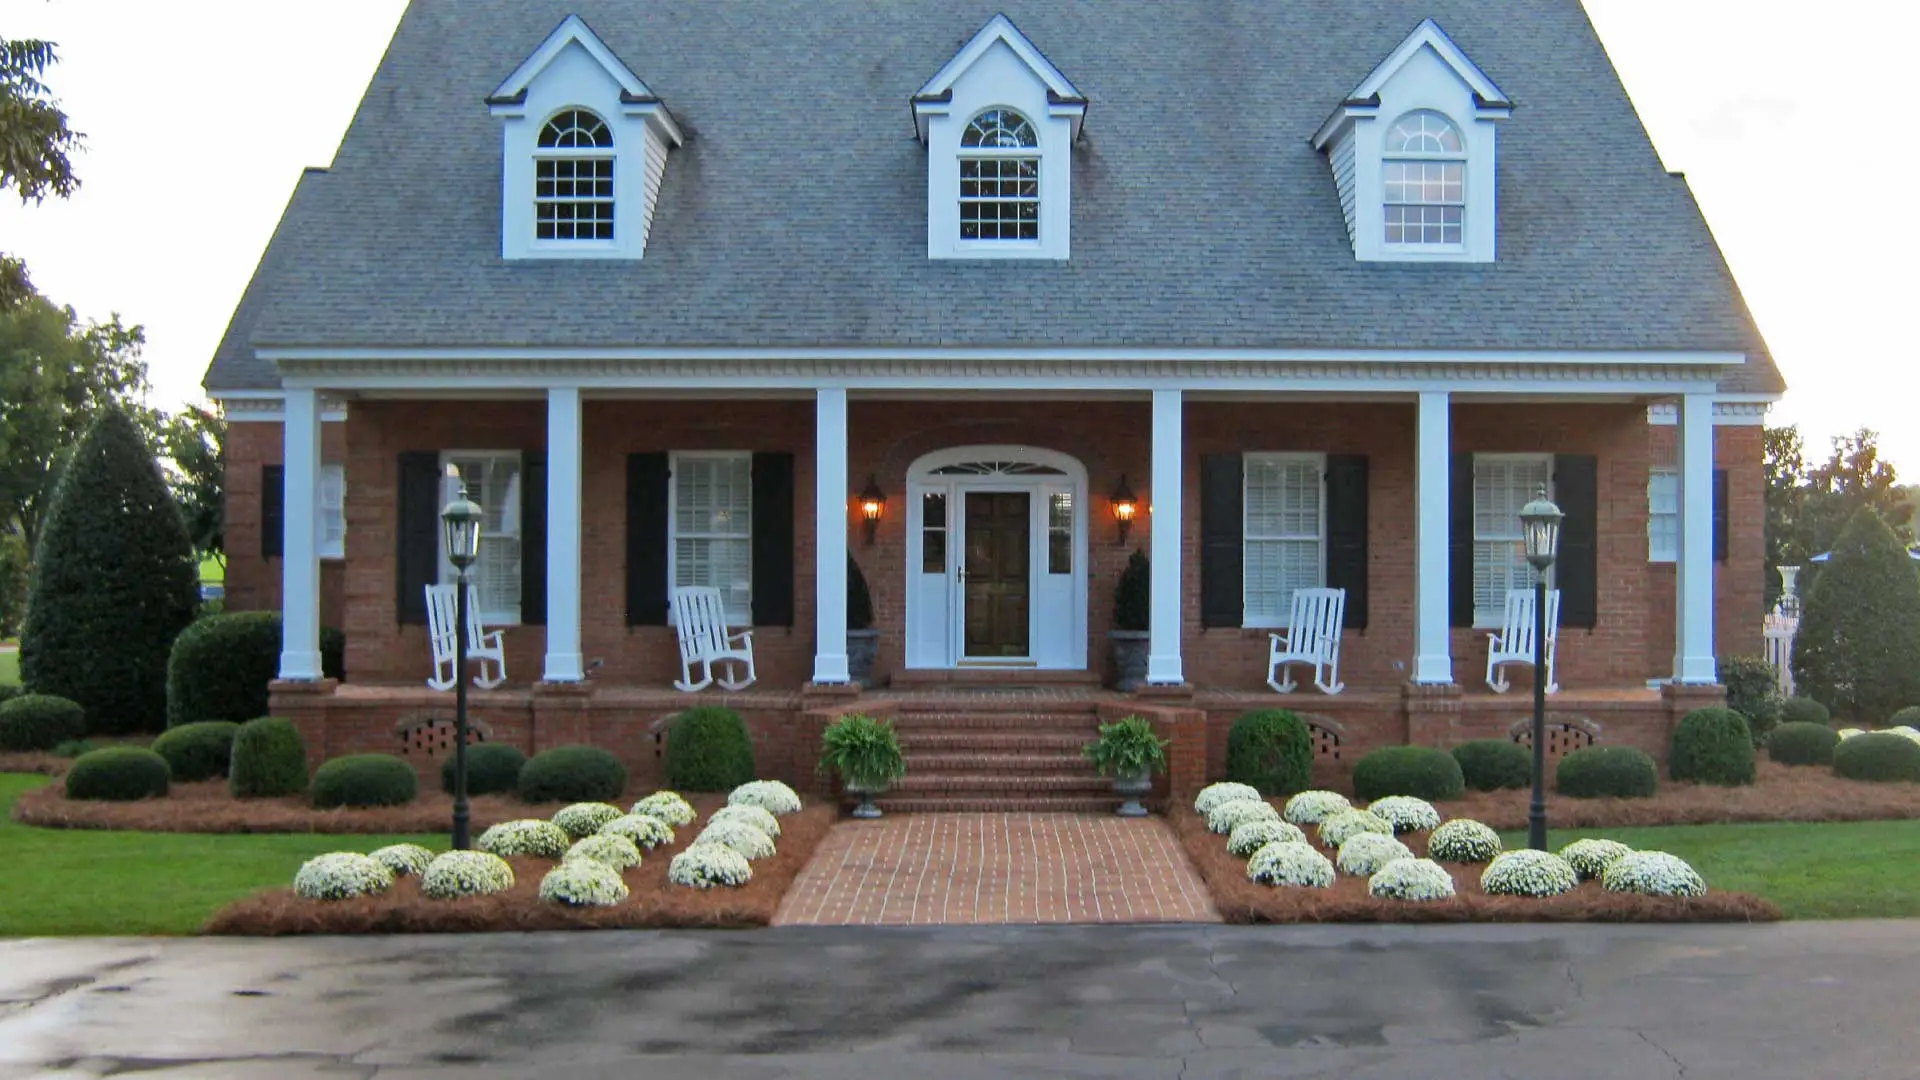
(998,526)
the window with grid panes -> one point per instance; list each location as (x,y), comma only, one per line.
(1284,538)
(712,528)
(492,479)
(999,178)
(1426,181)
(573,179)
(333,512)
(1502,484)
(1663,515)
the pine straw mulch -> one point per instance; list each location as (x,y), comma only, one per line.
(653,903)
(208,807)
(34,761)
(1242,901)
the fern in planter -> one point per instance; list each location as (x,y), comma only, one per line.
(864,751)
(1133,595)
(1127,747)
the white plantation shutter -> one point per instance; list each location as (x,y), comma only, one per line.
(713,527)
(493,481)
(1663,515)
(1285,524)
(1501,486)
(332,517)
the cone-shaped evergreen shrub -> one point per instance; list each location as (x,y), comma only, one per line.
(1858,647)
(1270,751)
(1133,594)
(114,581)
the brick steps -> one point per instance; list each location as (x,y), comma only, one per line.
(987,753)
(992,741)
(968,760)
(1028,804)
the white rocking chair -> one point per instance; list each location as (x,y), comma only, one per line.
(1514,643)
(700,619)
(488,647)
(1312,637)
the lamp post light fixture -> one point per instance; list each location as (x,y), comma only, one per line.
(460,535)
(1125,506)
(873,504)
(1540,530)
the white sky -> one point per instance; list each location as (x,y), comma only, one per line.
(201,113)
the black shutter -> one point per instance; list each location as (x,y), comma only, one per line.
(1222,529)
(1576,572)
(533,540)
(417,561)
(1347,533)
(773,539)
(1719,515)
(273,511)
(1460,542)
(647,480)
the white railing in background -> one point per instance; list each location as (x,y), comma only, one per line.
(1777,647)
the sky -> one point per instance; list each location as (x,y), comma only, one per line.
(1766,105)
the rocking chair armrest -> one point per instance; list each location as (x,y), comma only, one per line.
(744,637)
(1282,641)
(493,639)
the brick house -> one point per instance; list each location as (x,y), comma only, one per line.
(1331,289)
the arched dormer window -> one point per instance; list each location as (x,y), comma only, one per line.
(999,178)
(573,178)
(1426,181)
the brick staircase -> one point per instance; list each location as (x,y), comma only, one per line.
(987,752)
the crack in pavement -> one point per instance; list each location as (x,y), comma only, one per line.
(1680,1067)
(54,988)
(130,1066)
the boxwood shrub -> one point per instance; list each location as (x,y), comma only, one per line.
(1907,717)
(117,774)
(198,751)
(220,666)
(1494,764)
(708,749)
(364,780)
(40,722)
(1594,772)
(1802,744)
(269,759)
(1753,691)
(573,774)
(492,769)
(1877,755)
(1712,746)
(1421,771)
(1804,710)
(1270,751)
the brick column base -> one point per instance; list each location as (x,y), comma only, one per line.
(306,704)
(1186,733)
(1432,713)
(562,715)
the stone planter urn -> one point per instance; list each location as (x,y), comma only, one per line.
(862,647)
(866,811)
(1129,658)
(1133,787)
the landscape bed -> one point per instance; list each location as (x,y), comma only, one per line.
(208,807)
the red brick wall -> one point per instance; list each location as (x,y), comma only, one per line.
(253,582)
(1739,584)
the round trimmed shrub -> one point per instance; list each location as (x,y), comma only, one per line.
(1246,839)
(1907,717)
(1270,751)
(526,836)
(740,836)
(583,883)
(492,769)
(645,830)
(220,666)
(578,820)
(757,816)
(1804,710)
(200,751)
(572,774)
(1348,824)
(1652,873)
(1712,746)
(1877,756)
(268,760)
(117,774)
(706,865)
(1590,857)
(608,848)
(708,749)
(9,691)
(1405,813)
(361,780)
(1597,772)
(40,722)
(1365,853)
(1411,879)
(1314,807)
(408,859)
(1753,691)
(1494,764)
(668,806)
(1803,744)
(1528,873)
(1214,794)
(1421,771)
(1228,816)
(770,795)
(342,875)
(1292,863)
(454,874)
(1463,840)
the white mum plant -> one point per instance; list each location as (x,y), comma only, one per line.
(1224,792)
(341,875)
(770,795)
(1227,816)
(705,865)
(527,836)
(1463,840)
(1365,853)
(466,873)
(1347,824)
(668,806)
(403,858)
(1405,813)
(738,835)
(609,849)
(645,830)
(585,818)
(1313,807)
(1290,862)
(1527,872)
(1653,873)
(1247,838)
(1905,732)
(1411,879)
(1589,858)
(1846,733)
(583,883)
(752,815)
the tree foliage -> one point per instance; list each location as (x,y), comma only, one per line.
(35,144)
(196,440)
(1858,647)
(1810,502)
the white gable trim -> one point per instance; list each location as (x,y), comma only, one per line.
(1429,35)
(1064,99)
(509,98)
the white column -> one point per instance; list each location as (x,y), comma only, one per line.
(830,536)
(564,662)
(1163,645)
(1432,520)
(300,555)
(1693,660)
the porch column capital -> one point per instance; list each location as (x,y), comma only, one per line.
(300,553)
(1163,645)
(1433,499)
(830,488)
(1693,659)
(564,662)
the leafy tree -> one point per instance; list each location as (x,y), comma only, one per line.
(35,142)
(1809,504)
(196,440)
(114,581)
(1858,648)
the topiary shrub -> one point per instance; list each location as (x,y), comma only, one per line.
(1803,744)
(1753,691)
(1858,647)
(117,774)
(1421,771)
(359,780)
(269,760)
(1878,756)
(1270,751)
(9,691)
(1494,764)
(220,666)
(1907,717)
(114,581)
(1712,746)
(40,722)
(1804,710)
(572,774)
(492,769)
(1596,772)
(708,750)
(1133,594)
(198,751)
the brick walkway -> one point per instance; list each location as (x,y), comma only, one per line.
(997,868)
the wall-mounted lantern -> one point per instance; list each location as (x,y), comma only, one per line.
(873,505)
(1125,506)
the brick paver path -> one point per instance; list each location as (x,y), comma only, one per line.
(997,868)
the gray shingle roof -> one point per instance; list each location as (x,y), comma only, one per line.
(795,213)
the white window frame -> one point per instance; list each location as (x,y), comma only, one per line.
(1663,545)
(330,515)
(498,614)
(1030,151)
(1492,618)
(675,461)
(577,155)
(1391,157)
(1277,618)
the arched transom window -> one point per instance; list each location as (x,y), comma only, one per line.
(573,178)
(999,178)
(1426,181)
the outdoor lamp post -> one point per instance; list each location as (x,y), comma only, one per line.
(1540,529)
(460,534)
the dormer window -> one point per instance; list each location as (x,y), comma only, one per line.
(999,178)
(1425,181)
(573,179)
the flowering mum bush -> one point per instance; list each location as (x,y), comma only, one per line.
(1365,853)
(1405,813)
(584,883)
(455,874)
(614,851)
(585,818)
(668,806)
(1653,873)
(752,815)
(340,876)
(403,858)
(1589,858)
(527,836)
(1290,862)
(646,831)
(1527,872)
(705,865)
(1463,840)
(1846,733)
(1905,732)
(770,795)
(1224,792)
(1411,879)
(1313,807)
(1249,837)
(1225,817)
(1345,825)
(738,835)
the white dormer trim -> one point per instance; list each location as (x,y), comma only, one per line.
(1429,35)
(1064,99)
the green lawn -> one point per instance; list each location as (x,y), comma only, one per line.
(71,881)
(212,572)
(10,667)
